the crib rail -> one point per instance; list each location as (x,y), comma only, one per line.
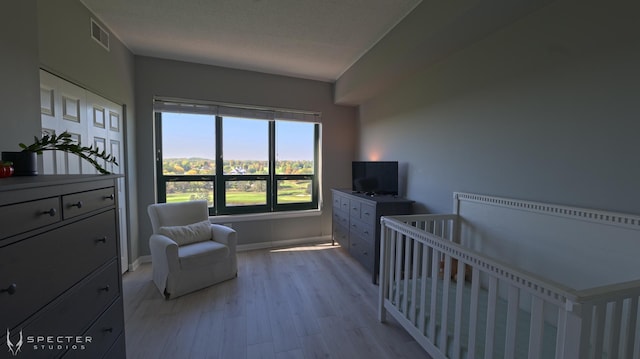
(458,303)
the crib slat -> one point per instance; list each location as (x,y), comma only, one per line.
(435,260)
(444,320)
(631,328)
(561,324)
(384,278)
(414,282)
(458,310)
(598,326)
(404,275)
(397,269)
(614,335)
(392,265)
(512,320)
(572,337)
(423,288)
(536,327)
(584,339)
(473,312)
(491,316)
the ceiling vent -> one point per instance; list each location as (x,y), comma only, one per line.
(99,34)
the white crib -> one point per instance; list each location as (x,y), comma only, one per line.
(505,278)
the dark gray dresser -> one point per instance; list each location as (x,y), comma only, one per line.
(60,279)
(356,224)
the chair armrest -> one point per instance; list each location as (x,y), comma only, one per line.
(164,252)
(224,235)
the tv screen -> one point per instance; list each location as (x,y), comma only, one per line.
(375,177)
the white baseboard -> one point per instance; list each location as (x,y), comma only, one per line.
(141,260)
(249,247)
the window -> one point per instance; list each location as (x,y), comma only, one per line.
(239,160)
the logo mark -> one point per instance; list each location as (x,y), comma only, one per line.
(14,348)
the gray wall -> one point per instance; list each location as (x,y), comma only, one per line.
(54,35)
(156,77)
(19,80)
(544,109)
(67,50)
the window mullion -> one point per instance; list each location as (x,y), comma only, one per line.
(161,192)
(272,183)
(315,193)
(219,187)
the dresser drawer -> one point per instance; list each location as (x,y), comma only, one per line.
(336,202)
(363,252)
(344,204)
(104,333)
(368,214)
(362,229)
(84,202)
(341,235)
(23,217)
(118,350)
(44,266)
(354,209)
(341,218)
(84,303)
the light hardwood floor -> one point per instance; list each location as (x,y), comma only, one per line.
(299,302)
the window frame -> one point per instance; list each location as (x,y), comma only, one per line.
(220,179)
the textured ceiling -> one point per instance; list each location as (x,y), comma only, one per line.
(313,39)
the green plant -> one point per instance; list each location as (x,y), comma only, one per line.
(64,142)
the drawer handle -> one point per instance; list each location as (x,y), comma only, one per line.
(51,212)
(78,204)
(105,288)
(102,239)
(10,289)
(111,197)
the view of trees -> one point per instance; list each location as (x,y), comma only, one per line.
(238,193)
(201,166)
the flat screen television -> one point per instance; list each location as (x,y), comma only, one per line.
(375,177)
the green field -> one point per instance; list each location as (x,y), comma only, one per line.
(289,191)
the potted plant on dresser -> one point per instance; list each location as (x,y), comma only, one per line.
(25,162)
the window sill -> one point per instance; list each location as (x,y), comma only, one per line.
(263,216)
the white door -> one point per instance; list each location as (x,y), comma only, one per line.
(93,121)
(63,108)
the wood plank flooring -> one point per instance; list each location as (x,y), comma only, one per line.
(290,303)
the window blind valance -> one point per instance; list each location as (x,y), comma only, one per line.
(228,110)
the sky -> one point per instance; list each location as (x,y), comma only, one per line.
(188,135)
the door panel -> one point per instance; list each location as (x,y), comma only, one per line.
(93,121)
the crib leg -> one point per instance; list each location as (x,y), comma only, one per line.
(382,314)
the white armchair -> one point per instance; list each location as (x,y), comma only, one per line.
(187,251)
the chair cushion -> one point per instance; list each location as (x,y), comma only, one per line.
(201,254)
(192,233)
